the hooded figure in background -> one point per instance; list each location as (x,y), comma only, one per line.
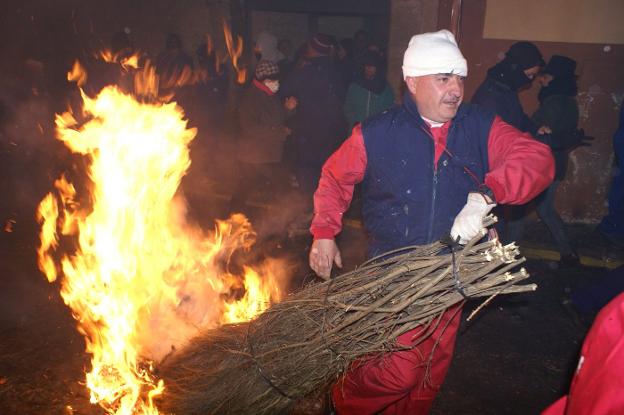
(499,91)
(262,117)
(369,93)
(266,48)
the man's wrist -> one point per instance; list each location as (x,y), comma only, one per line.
(323,233)
(488,194)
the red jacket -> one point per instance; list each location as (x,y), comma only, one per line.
(520,167)
(598,385)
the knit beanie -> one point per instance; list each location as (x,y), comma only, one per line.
(433,53)
(266,70)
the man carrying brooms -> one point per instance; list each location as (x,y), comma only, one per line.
(429,166)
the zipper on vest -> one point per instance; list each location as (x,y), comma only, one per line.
(434,187)
(433,203)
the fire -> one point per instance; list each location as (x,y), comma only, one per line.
(235,52)
(139,277)
(77,74)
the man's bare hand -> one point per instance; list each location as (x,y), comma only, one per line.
(323,254)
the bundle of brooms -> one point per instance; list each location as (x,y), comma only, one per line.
(303,343)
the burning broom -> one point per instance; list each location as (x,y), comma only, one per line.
(306,341)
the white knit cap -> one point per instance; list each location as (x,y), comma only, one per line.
(433,53)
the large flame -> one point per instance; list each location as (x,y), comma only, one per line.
(139,278)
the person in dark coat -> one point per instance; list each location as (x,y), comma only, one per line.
(319,124)
(262,118)
(558,111)
(499,93)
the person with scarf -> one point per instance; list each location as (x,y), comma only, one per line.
(262,117)
(266,48)
(369,93)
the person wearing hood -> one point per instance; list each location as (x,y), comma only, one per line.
(499,92)
(266,48)
(558,111)
(430,167)
(369,93)
(262,116)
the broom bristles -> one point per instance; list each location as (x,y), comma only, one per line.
(308,340)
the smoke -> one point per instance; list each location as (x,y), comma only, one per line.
(28,150)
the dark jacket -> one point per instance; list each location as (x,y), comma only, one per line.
(503,101)
(560,113)
(262,133)
(318,125)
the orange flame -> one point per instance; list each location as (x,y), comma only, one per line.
(124,61)
(77,74)
(140,279)
(235,52)
(146,82)
(209,45)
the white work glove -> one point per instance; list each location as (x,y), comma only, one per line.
(469,221)
(323,254)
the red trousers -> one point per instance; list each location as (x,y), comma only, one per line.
(403,382)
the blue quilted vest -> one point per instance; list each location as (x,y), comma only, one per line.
(406,200)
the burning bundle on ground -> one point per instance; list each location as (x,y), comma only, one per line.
(299,345)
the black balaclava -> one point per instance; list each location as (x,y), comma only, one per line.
(510,71)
